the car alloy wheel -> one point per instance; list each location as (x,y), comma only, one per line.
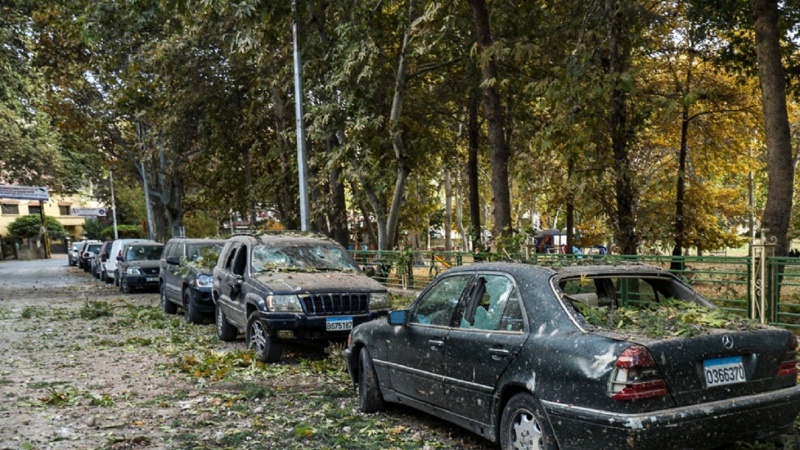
(190,313)
(524,425)
(267,350)
(167,306)
(225,331)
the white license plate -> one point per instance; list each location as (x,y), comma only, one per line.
(339,323)
(722,371)
(151,279)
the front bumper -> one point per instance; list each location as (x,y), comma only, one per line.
(705,425)
(141,281)
(311,327)
(203,300)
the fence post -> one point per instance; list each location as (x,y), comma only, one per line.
(760,252)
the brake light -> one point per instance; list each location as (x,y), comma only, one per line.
(636,376)
(789,365)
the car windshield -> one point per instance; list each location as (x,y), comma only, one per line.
(143,253)
(203,254)
(301,258)
(94,248)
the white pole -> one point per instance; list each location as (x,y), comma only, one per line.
(302,166)
(113,205)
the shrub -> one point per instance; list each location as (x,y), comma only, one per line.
(27,227)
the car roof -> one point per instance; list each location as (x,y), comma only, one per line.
(298,237)
(144,244)
(576,269)
(199,240)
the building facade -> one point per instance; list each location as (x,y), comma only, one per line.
(58,207)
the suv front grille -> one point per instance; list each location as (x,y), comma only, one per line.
(153,271)
(332,304)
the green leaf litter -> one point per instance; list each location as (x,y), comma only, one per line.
(668,318)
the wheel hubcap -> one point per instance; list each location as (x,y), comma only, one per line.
(258,340)
(527,432)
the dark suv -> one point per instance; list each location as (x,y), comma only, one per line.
(291,287)
(138,265)
(185,277)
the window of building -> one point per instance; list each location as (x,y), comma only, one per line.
(9,210)
(63,210)
(34,210)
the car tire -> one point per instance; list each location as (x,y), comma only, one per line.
(116,278)
(369,392)
(166,305)
(258,339)
(525,425)
(190,312)
(124,287)
(103,276)
(225,331)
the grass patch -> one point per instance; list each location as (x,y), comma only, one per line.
(93,310)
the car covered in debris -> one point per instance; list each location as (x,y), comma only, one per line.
(138,265)
(579,357)
(291,287)
(185,277)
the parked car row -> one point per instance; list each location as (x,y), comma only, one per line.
(527,356)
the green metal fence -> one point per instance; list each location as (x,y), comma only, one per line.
(727,281)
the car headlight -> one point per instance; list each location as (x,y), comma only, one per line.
(379,300)
(132,271)
(203,281)
(284,303)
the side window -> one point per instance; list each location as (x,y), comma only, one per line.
(493,304)
(170,250)
(240,261)
(229,259)
(439,303)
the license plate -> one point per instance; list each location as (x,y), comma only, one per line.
(151,279)
(722,371)
(339,323)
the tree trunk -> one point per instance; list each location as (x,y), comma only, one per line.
(619,121)
(339,213)
(389,238)
(775,220)
(472,170)
(498,147)
(680,233)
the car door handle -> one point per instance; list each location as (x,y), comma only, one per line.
(435,343)
(498,352)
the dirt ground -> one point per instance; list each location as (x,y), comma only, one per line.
(83,366)
(53,378)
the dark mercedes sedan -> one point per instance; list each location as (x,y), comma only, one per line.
(579,357)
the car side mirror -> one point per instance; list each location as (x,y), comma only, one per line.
(369,271)
(398,318)
(119,258)
(236,285)
(173,260)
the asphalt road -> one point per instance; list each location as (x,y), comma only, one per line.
(39,273)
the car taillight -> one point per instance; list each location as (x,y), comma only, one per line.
(788,366)
(636,376)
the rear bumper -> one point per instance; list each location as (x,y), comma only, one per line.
(699,426)
(311,327)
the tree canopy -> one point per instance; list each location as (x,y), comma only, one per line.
(633,124)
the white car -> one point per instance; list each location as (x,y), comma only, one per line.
(111,263)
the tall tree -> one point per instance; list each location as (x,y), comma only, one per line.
(495,120)
(780,167)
